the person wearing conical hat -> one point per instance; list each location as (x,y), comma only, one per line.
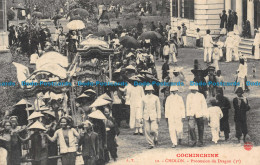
(151,116)
(196,112)
(174,115)
(39,143)
(136,94)
(241,106)
(67,138)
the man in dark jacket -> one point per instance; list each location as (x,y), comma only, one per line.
(230,21)
(241,106)
(224,105)
(90,144)
(223,19)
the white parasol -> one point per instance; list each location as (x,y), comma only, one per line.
(76,25)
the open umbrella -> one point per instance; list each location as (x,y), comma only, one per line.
(81,12)
(151,36)
(129,42)
(104,31)
(76,25)
(76,17)
(37,14)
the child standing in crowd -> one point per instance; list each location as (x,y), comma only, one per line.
(198,38)
(215,114)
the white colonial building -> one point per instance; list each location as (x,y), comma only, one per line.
(204,14)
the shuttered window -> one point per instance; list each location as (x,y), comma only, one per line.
(189,9)
(175,8)
(2,15)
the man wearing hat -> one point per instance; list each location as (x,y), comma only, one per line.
(241,106)
(196,111)
(174,114)
(151,116)
(223,19)
(136,93)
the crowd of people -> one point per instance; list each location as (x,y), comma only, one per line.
(53,134)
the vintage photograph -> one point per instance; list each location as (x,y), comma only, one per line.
(129,82)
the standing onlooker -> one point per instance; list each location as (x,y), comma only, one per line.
(174,114)
(242,73)
(139,27)
(179,39)
(237,41)
(241,106)
(196,111)
(215,114)
(119,29)
(153,27)
(165,68)
(224,105)
(207,44)
(90,146)
(230,22)
(172,52)
(223,19)
(235,17)
(229,44)
(198,37)
(184,34)
(151,116)
(166,51)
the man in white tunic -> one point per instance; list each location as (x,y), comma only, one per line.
(196,111)
(215,114)
(151,116)
(135,97)
(207,44)
(174,114)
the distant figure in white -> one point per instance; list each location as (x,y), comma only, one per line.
(207,44)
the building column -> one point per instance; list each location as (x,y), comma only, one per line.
(250,15)
(239,10)
(227,5)
(179,9)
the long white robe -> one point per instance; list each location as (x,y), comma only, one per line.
(136,113)
(175,112)
(215,114)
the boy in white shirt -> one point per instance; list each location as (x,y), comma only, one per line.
(215,114)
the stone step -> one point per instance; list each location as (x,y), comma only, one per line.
(245,47)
